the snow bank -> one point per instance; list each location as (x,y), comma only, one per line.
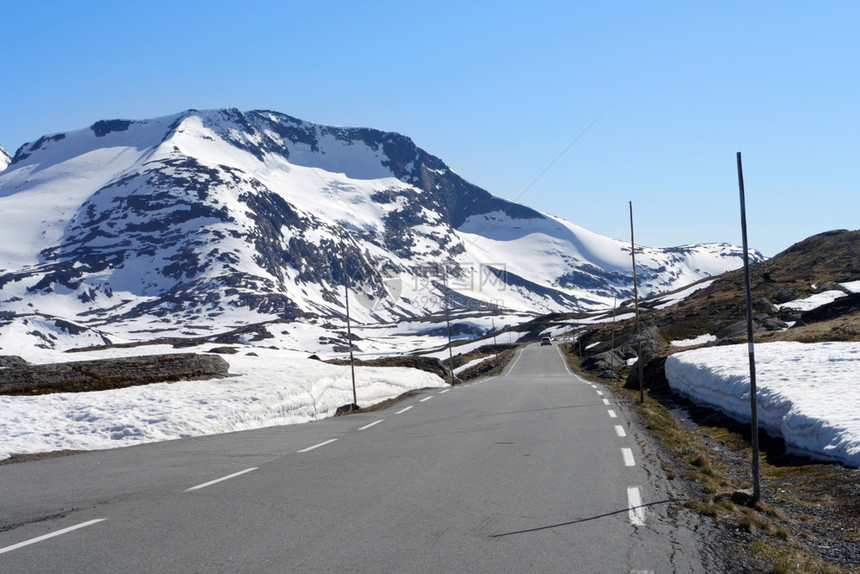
(268,390)
(808,394)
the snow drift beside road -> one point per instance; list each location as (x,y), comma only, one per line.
(808,394)
(274,388)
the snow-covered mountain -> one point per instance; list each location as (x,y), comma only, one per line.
(5,158)
(210,220)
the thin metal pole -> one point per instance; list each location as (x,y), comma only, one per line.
(636,299)
(348,323)
(448,322)
(613,324)
(494,340)
(750,342)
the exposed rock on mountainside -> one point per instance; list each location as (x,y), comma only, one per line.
(207,221)
(819,264)
(5,158)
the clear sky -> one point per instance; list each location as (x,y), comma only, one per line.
(665,92)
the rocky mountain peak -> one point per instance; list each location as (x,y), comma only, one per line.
(5,158)
(212,219)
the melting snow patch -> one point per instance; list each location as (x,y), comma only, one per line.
(700,340)
(469,365)
(807,393)
(813,301)
(269,390)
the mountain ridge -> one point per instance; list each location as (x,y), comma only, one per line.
(224,218)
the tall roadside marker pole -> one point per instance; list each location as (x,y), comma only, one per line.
(448,322)
(613,324)
(753,401)
(494,340)
(348,323)
(636,299)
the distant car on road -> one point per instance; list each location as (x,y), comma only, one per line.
(545,341)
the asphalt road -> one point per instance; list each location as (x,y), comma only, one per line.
(532,471)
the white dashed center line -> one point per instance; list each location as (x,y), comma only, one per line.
(634,505)
(318,445)
(627,454)
(223,478)
(612,414)
(619,430)
(51,535)
(425,399)
(371,424)
(401,411)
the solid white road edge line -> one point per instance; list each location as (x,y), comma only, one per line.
(318,445)
(401,411)
(634,506)
(223,478)
(627,454)
(51,535)
(371,424)
(619,430)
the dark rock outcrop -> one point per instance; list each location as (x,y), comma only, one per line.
(606,361)
(830,286)
(105,374)
(11,361)
(654,374)
(786,295)
(837,308)
(761,322)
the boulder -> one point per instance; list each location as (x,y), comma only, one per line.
(223,350)
(788,314)
(762,305)
(652,344)
(786,295)
(608,360)
(738,330)
(654,373)
(830,286)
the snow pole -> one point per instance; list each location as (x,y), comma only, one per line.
(448,322)
(494,339)
(636,299)
(753,406)
(613,324)
(348,325)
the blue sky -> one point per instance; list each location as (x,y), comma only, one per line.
(670,90)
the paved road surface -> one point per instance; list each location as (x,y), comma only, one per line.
(532,471)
